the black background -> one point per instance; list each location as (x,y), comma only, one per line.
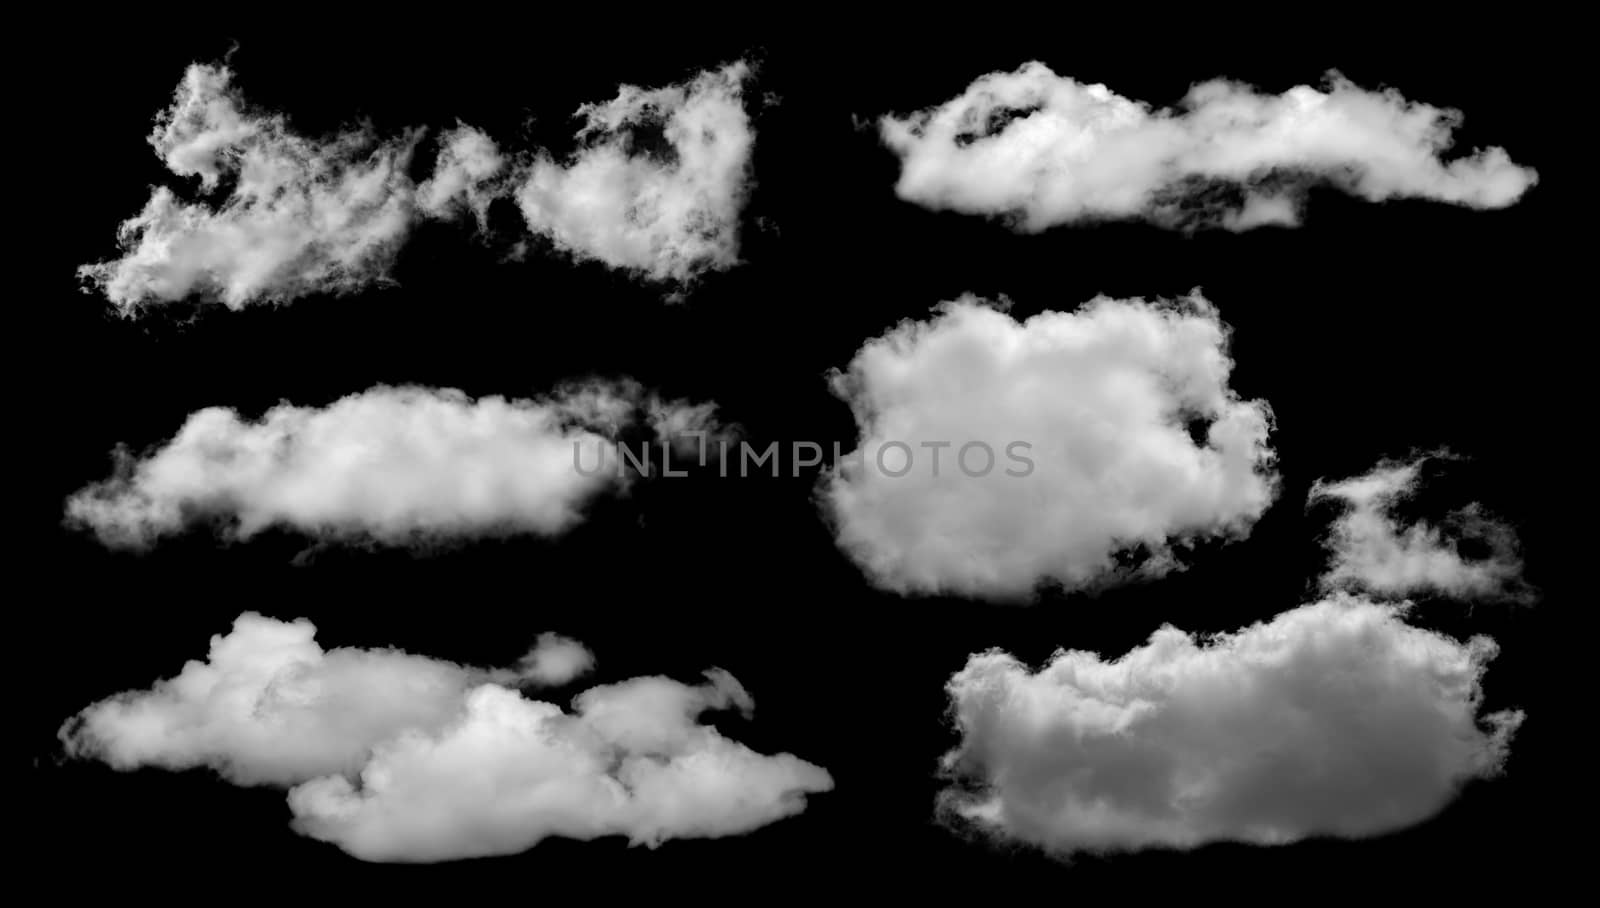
(1375,330)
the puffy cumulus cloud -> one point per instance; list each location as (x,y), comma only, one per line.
(557,660)
(1333,719)
(464,176)
(394,464)
(666,208)
(630,760)
(299,215)
(396,757)
(270,706)
(1045,149)
(1372,551)
(998,455)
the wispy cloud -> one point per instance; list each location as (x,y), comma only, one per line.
(279,215)
(1372,550)
(292,215)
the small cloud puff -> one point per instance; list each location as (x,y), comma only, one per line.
(556,660)
(1372,551)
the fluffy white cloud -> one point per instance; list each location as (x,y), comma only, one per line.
(300,216)
(392,464)
(557,660)
(463,176)
(1102,434)
(1372,551)
(629,761)
(270,706)
(1332,719)
(668,214)
(1045,149)
(404,758)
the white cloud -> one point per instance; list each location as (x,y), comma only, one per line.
(556,660)
(668,217)
(463,176)
(270,706)
(405,758)
(1332,719)
(301,215)
(392,464)
(1372,551)
(1104,398)
(281,215)
(629,761)
(1046,149)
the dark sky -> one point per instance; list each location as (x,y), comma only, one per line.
(1375,330)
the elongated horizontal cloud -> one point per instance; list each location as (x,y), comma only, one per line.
(280,215)
(394,464)
(1070,448)
(1370,549)
(1044,150)
(668,213)
(396,757)
(1333,719)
